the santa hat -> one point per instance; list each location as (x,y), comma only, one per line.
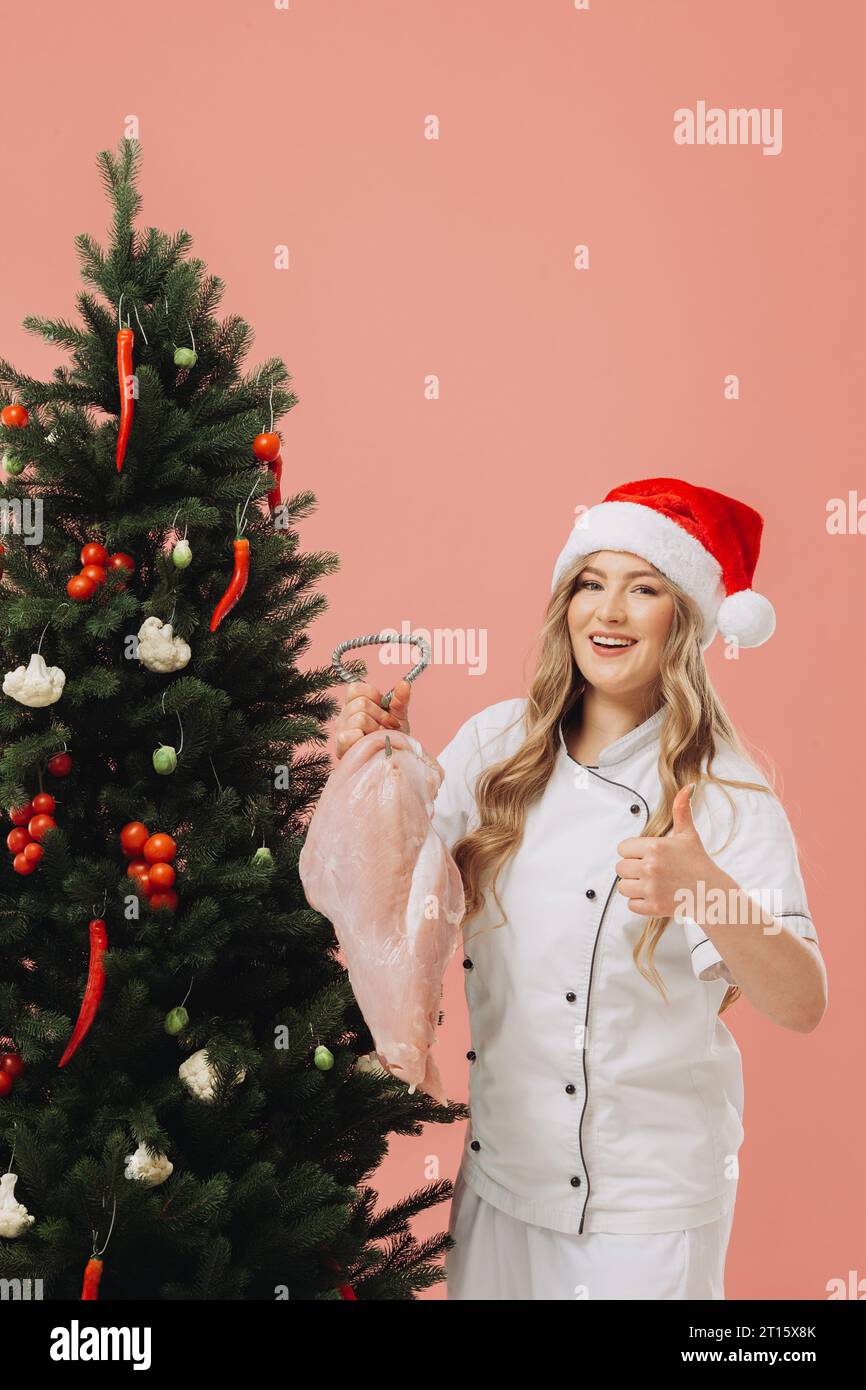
(705,542)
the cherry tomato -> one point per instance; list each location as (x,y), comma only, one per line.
(11,1064)
(33,852)
(44,802)
(95,573)
(162,875)
(17,839)
(120,560)
(23,865)
(142,879)
(167,899)
(59,765)
(158,847)
(5,1083)
(94,554)
(133,836)
(21,814)
(80,588)
(40,825)
(15,415)
(266,446)
(136,866)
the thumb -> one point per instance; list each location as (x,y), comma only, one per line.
(682,812)
(399,705)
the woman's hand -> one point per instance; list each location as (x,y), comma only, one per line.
(655,868)
(363,714)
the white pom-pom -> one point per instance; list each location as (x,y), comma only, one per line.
(747,617)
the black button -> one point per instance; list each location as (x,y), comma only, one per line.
(471,1056)
(575,1182)
(635,809)
(571,1088)
(590,892)
(475,1145)
(467,964)
(571,996)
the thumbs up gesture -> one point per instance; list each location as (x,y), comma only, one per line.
(655,867)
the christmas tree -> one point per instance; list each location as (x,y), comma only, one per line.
(188,1092)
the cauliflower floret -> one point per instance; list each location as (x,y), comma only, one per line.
(146,1168)
(198,1074)
(159,649)
(35,685)
(14,1218)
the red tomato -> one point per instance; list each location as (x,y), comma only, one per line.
(162,875)
(5,1083)
(59,765)
(80,588)
(95,573)
(135,866)
(133,836)
(159,847)
(143,883)
(167,899)
(11,1064)
(266,446)
(15,415)
(44,802)
(94,554)
(120,560)
(40,825)
(21,814)
(17,839)
(33,852)
(22,865)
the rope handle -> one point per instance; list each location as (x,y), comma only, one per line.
(372,639)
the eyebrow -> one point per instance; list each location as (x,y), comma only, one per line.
(632,574)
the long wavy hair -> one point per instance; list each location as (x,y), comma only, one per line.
(694,724)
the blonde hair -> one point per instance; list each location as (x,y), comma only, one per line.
(694,723)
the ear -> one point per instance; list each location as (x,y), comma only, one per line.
(682,812)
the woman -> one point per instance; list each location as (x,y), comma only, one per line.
(628,873)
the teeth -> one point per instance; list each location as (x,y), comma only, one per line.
(613,641)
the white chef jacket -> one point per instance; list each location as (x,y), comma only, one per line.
(594,1104)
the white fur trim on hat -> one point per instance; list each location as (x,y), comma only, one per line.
(640,530)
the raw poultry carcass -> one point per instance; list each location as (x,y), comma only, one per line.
(375,867)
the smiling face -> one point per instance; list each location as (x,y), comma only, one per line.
(620,597)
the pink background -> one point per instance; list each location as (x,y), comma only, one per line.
(454,257)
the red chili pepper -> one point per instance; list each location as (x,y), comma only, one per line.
(93,991)
(276,467)
(125,340)
(92,1276)
(237,583)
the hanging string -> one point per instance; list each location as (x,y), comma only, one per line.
(97,1254)
(179,720)
(143,334)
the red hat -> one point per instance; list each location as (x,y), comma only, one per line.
(705,542)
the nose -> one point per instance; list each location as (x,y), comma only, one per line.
(611,612)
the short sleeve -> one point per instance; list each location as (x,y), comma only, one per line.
(455,801)
(761,857)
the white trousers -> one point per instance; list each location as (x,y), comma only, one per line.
(496,1256)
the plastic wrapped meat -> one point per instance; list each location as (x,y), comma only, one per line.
(373,864)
